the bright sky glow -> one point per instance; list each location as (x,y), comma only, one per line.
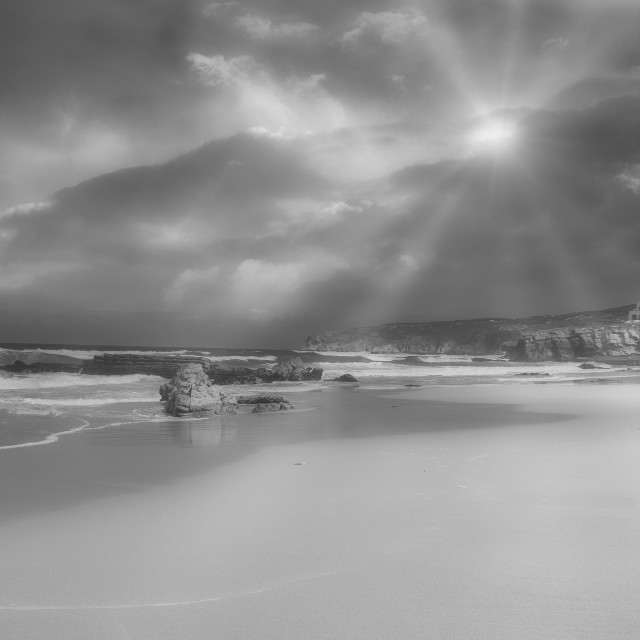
(493,136)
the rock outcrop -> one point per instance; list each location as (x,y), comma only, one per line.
(270,407)
(347,377)
(589,334)
(191,392)
(270,398)
(292,370)
(569,343)
(267,402)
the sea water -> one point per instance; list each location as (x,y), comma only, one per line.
(38,409)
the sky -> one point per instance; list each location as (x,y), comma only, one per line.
(244,174)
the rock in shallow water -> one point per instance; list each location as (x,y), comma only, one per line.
(347,377)
(292,371)
(267,408)
(191,392)
(268,398)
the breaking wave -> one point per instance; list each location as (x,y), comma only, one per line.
(61,380)
(79,402)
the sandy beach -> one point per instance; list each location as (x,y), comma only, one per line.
(494,512)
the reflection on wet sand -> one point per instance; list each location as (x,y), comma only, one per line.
(205,433)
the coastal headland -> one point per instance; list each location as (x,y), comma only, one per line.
(566,337)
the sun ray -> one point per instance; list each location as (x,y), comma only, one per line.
(433,212)
(445,46)
(542,201)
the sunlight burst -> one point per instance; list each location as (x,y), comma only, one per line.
(493,136)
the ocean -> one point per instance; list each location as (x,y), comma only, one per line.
(38,409)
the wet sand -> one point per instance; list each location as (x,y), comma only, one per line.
(495,512)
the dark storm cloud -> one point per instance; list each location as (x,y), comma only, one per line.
(92,85)
(246,233)
(342,187)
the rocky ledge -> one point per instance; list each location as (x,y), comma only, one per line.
(569,343)
(168,366)
(129,363)
(191,392)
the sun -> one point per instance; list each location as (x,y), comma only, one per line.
(492,136)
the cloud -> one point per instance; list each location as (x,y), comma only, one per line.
(26,208)
(260,28)
(629,178)
(265,104)
(218,70)
(191,281)
(273,286)
(389,27)
(243,236)
(216,8)
(24,275)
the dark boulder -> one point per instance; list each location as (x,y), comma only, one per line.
(347,377)
(272,398)
(594,365)
(532,374)
(294,370)
(290,371)
(238,375)
(268,408)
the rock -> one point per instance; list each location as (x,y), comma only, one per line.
(568,343)
(294,370)
(238,375)
(347,377)
(267,408)
(191,392)
(263,399)
(290,371)
(593,365)
(532,374)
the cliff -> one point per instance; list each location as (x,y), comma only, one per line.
(589,334)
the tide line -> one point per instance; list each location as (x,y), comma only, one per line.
(177,603)
(50,439)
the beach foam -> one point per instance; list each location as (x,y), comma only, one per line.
(387,369)
(50,439)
